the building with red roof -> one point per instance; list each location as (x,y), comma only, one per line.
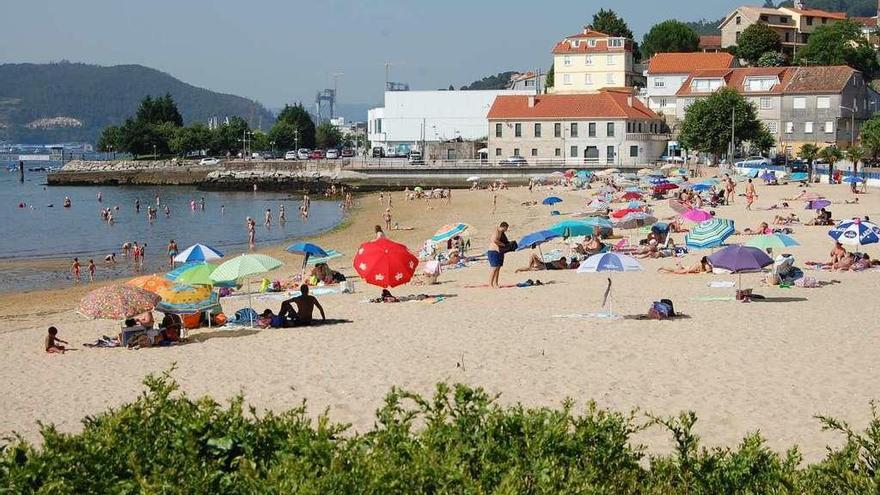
(667,71)
(589,61)
(794,26)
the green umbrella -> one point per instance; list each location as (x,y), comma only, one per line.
(772,241)
(244,266)
(198,274)
(572,228)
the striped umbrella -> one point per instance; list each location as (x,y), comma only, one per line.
(198,252)
(449,231)
(855,233)
(709,234)
(243,266)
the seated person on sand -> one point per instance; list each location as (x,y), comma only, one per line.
(760,230)
(789,219)
(703,266)
(453,259)
(537,264)
(650,250)
(53,343)
(844,263)
(823,217)
(305,306)
(323,273)
(591,245)
(145,319)
(863,262)
(837,253)
(675,226)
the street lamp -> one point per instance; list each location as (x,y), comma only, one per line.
(154,152)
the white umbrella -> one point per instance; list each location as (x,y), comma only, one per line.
(609,262)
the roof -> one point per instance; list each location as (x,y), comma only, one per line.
(523,76)
(866,22)
(710,41)
(683,63)
(820,79)
(605,104)
(588,33)
(817,13)
(567,44)
(751,13)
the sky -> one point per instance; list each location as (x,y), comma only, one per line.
(284,51)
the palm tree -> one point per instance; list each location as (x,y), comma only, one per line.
(831,155)
(808,153)
(855,155)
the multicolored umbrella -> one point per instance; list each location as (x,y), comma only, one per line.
(117,302)
(199,274)
(572,228)
(385,263)
(449,231)
(187,299)
(151,283)
(198,253)
(772,241)
(696,216)
(243,266)
(855,233)
(709,234)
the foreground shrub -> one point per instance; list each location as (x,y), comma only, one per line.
(458,441)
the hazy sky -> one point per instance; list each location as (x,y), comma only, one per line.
(279,51)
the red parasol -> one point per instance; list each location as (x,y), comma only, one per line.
(385,263)
(666,186)
(630,196)
(624,212)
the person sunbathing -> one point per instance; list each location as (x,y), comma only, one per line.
(591,245)
(823,217)
(853,201)
(454,258)
(799,195)
(838,253)
(537,264)
(789,219)
(863,262)
(845,263)
(703,266)
(760,230)
(649,250)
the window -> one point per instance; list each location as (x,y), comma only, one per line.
(610,60)
(557,130)
(609,129)
(573,130)
(823,102)
(615,42)
(557,152)
(566,60)
(829,127)
(516,152)
(588,79)
(787,36)
(799,103)
(538,130)
(633,151)
(855,105)
(640,127)
(766,103)
(591,129)
(789,127)
(517,130)
(497,151)
(705,85)
(765,18)
(783,20)
(609,78)
(629,127)
(659,82)
(808,127)
(738,20)
(534,151)
(588,60)
(760,83)
(591,43)
(609,154)
(773,127)
(574,151)
(576,43)
(661,102)
(498,130)
(809,21)
(737,35)
(566,79)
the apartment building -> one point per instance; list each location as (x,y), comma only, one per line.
(607,127)
(666,72)
(590,61)
(794,26)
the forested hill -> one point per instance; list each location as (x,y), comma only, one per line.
(47,103)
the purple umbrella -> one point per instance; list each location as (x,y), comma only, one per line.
(740,259)
(817,204)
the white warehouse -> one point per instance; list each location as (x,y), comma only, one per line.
(412,117)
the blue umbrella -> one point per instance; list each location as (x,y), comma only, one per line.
(701,187)
(635,204)
(852,179)
(552,200)
(535,239)
(657,180)
(609,262)
(199,253)
(307,249)
(634,189)
(855,233)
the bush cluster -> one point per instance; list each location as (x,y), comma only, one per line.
(458,441)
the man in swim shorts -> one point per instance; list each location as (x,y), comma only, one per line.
(497,247)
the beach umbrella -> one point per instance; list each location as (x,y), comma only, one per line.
(187,299)
(117,302)
(332,254)
(635,220)
(631,195)
(769,176)
(173,274)
(557,174)
(623,212)
(243,266)
(817,204)
(677,206)
(855,233)
(199,274)
(799,176)
(852,179)
(552,200)
(696,216)
(198,253)
(598,222)
(535,239)
(634,189)
(635,205)
(669,166)
(384,263)
(663,187)
(598,204)
(772,241)
(584,174)
(306,249)
(709,234)
(740,259)
(644,171)
(700,187)
(572,228)
(151,283)
(449,231)
(609,262)
(418,189)
(473,179)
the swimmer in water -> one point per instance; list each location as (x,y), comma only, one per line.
(268,218)
(92,269)
(282,217)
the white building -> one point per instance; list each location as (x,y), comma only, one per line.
(412,117)
(667,71)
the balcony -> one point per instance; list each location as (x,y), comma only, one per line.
(647,136)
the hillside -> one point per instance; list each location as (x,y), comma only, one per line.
(46,103)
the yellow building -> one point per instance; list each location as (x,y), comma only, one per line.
(590,61)
(794,26)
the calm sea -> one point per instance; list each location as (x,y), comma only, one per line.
(41,231)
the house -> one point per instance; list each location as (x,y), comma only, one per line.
(869,29)
(606,127)
(667,71)
(590,61)
(819,105)
(793,25)
(411,119)
(528,81)
(710,43)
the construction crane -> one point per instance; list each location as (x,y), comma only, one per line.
(327,98)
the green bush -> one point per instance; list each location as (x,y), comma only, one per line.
(458,441)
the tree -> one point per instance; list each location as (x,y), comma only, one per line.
(756,40)
(327,136)
(772,59)
(189,139)
(840,43)
(831,155)
(855,154)
(707,123)
(227,138)
(808,153)
(302,122)
(763,141)
(159,111)
(548,81)
(608,22)
(870,137)
(110,138)
(285,135)
(670,36)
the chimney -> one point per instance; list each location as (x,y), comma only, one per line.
(629,101)
(531,101)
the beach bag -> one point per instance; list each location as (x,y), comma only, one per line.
(277,322)
(192,321)
(246,315)
(219,319)
(807,282)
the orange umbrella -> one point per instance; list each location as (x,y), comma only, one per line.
(153,283)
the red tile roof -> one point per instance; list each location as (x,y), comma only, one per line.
(868,22)
(683,63)
(820,13)
(710,41)
(601,46)
(605,104)
(819,79)
(588,33)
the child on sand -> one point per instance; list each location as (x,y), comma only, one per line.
(53,343)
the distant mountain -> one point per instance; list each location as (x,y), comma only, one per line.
(58,102)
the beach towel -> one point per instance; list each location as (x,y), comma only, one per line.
(721,284)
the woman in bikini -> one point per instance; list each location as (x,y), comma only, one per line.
(704,266)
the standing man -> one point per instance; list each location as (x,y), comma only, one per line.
(498,246)
(751,194)
(729,189)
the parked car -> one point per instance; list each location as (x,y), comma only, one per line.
(347,153)
(415,158)
(316,155)
(798,165)
(303,153)
(516,161)
(378,152)
(290,155)
(753,162)
(209,161)
(332,154)
(269,155)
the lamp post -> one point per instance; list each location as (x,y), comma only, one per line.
(154,152)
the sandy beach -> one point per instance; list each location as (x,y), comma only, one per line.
(768,366)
